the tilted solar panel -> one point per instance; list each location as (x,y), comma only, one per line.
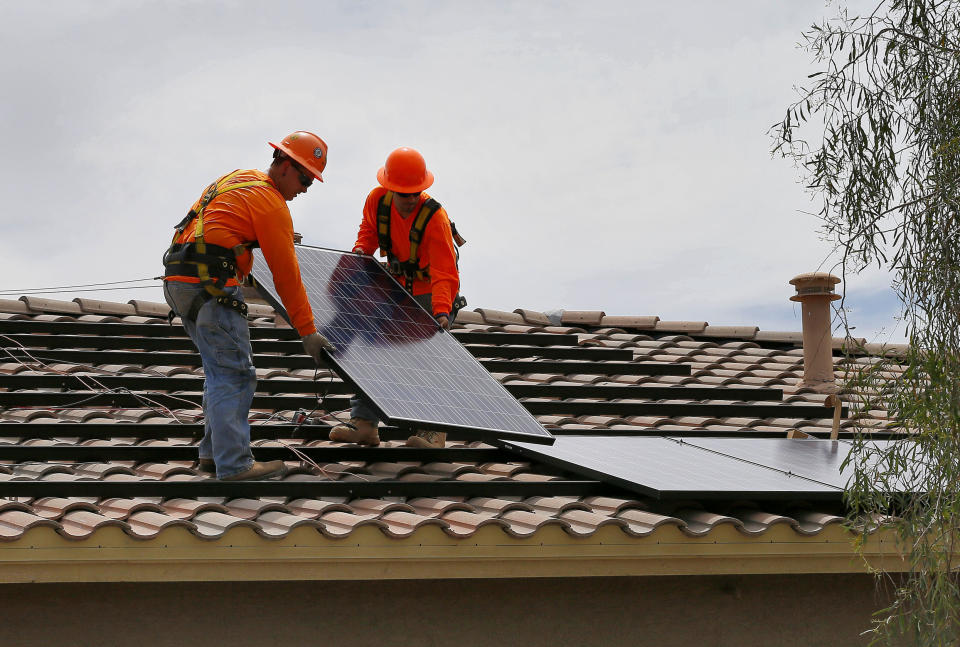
(705,468)
(392,350)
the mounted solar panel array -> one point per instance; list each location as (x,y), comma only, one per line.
(706,468)
(391,349)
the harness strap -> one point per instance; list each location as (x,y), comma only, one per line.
(212,264)
(409,269)
(383,223)
(429,208)
(226,300)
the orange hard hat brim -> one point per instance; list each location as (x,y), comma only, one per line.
(299,159)
(401,188)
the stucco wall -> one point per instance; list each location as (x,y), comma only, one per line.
(663,611)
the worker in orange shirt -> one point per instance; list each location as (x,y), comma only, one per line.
(211,251)
(413,231)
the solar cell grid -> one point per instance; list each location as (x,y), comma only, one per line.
(706,468)
(393,351)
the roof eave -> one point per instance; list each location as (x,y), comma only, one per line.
(241,554)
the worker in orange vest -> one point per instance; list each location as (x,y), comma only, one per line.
(211,251)
(414,232)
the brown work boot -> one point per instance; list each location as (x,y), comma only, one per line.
(358,430)
(428,439)
(258,471)
(206,466)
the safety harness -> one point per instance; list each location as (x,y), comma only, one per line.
(212,264)
(410,269)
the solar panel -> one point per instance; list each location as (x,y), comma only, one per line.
(392,350)
(705,468)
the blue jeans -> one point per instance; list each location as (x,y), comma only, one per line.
(223,339)
(360,407)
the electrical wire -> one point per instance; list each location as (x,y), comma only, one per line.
(131,287)
(321,405)
(99,387)
(93,384)
(79,287)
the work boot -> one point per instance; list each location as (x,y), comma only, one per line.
(206,466)
(358,430)
(428,439)
(258,471)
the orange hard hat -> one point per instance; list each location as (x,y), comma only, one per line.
(405,172)
(307,149)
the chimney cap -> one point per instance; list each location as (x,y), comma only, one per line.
(814,284)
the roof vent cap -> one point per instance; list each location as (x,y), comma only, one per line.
(814,284)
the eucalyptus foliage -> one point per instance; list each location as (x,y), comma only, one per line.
(876,131)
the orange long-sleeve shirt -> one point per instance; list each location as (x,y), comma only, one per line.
(436,248)
(257,214)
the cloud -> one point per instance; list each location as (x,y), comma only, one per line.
(611,156)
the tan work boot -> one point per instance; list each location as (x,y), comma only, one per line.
(258,471)
(428,439)
(358,430)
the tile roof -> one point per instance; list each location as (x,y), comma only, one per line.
(108,394)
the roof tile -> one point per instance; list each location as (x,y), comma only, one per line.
(40,304)
(747,332)
(462,523)
(469,317)
(582,317)
(681,326)
(14,307)
(533,317)
(123,508)
(13,523)
(376,507)
(278,523)
(630,322)
(150,308)
(756,522)
(433,507)
(700,522)
(313,508)
(402,524)
(743,362)
(97,307)
(641,523)
(56,507)
(499,317)
(522,523)
(585,523)
(811,522)
(188,508)
(340,524)
(147,524)
(779,337)
(212,524)
(252,508)
(609,505)
(78,524)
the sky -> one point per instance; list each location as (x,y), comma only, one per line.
(611,155)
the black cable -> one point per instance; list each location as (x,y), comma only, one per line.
(131,287)
(321,400)
(80,286)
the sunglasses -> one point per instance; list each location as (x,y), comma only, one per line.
(408,195)
(305,179)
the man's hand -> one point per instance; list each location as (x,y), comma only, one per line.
(316,343)
(443,320)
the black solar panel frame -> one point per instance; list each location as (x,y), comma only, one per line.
(483,433)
